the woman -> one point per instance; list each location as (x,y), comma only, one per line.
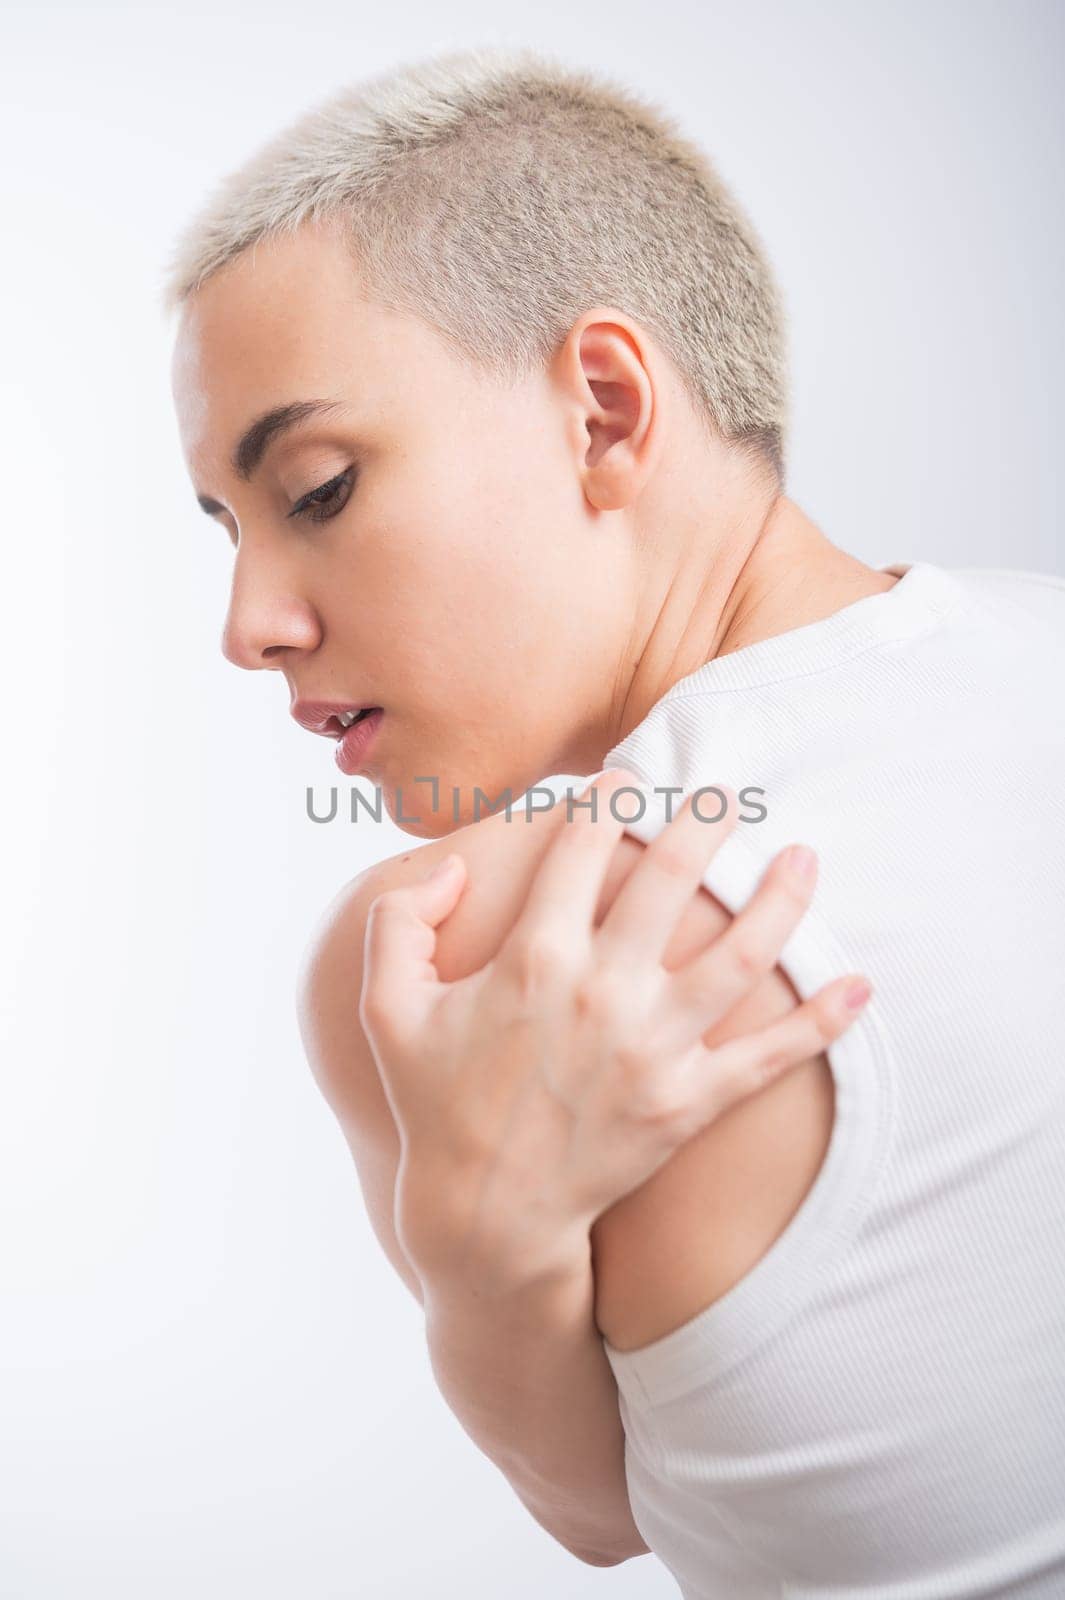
(482,370)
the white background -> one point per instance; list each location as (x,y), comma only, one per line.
(212,1383)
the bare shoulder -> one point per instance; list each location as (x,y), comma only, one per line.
(701,1222)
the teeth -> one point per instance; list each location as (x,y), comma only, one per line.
(346,718)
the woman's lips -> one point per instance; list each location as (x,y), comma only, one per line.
(354,743)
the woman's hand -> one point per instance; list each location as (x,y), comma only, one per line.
(535,1093)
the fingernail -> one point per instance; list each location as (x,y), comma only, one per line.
(802,861)
(439,870)
(857,995)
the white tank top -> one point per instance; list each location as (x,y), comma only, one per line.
(877,1409)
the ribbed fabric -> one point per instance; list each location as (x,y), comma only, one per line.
(877,1409)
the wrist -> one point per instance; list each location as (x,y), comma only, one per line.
(516,1264)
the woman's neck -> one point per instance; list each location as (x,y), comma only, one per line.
(778,573)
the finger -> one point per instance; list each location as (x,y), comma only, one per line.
(566,889)
(644,914)
(399,976)
(732,1071)
(706,988)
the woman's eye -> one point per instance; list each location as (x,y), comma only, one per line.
(325,501)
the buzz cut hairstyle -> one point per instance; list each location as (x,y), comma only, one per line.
(497,195)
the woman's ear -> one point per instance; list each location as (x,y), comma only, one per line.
(609,368)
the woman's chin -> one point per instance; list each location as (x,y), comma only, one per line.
(431,809)
(416,809)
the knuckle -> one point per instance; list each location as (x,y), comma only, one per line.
(829,1020)
(817,1015)
(633,1067)
(596,998)
(582,834)
(542,959)
(789,887)
(654,1100)
(768,1067)
(671,859)
(747,956)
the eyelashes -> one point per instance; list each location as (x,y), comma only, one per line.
(318,505)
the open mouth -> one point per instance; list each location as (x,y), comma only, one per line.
(339,724)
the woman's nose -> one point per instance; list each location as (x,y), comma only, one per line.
(264,621)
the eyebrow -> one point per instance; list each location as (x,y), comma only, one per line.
(260,435)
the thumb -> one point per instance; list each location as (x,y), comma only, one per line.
(400,979)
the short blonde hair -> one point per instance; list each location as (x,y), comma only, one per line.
(498,195)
